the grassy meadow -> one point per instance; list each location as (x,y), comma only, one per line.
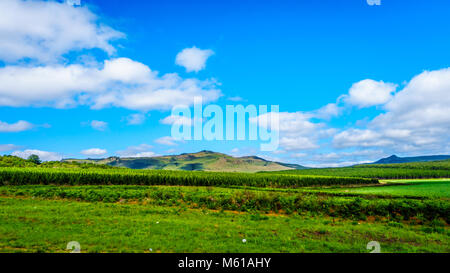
(411,188)
(106,209)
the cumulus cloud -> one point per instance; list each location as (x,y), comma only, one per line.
(298,155)
(336,164)
(19,126)
(337,158)
(143,150)
(121,82)
(177,120)
(136,119)
(297,143)
(296,130)
(8,147)
(359,138)
(35,35)
(236,99)
(368,93)
(94,152)
(45,30)
(99,125)
(167,140)
(416,119)
(193,59)
(328,111)
(344,158)
(235,151)
(43,155)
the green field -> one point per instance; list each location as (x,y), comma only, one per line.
(77,176)
(36,225)
(43,218)
(417,188)
(121,210)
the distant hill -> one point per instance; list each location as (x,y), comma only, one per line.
(396,159)
(201,161)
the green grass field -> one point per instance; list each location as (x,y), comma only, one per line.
(36,225)
(43,218)
(439,188)
(413,188)
(122,210)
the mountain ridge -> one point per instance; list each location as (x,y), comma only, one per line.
(395,159)
(199,161)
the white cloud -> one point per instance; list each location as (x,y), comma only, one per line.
(425,101)
(270,158)
(338,159)
(296,130)
(94,152)
(121,83)
(288,122)
(136,119)
(143,150)
(35,35)
(126,71)
(167,140)
(359,138)
(351,156)
(329,156)
(43,155)
(417,119)
(19,126)
(144,154)
(336,165)
(193,59)
(99,125)
(297,143)
(235,99)
(177,120)
(235,151)
(8,147)
(298,155)
(368,93)
(45,30)
(374,154)
(171,151)
(328,111)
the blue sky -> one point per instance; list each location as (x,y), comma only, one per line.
(80,81)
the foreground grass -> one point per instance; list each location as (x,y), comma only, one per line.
(36,225)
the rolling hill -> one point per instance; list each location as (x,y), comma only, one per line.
(201,161)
